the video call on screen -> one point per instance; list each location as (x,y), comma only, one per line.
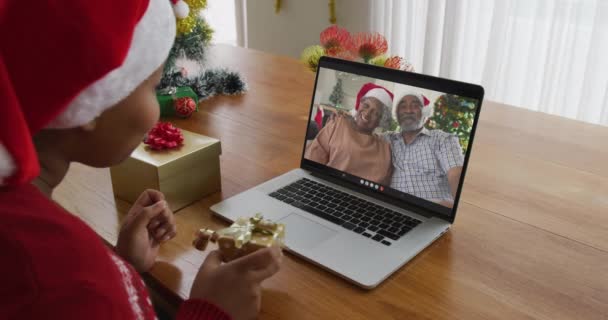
(392,136)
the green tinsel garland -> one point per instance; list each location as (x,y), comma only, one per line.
(192,45)
(210,83)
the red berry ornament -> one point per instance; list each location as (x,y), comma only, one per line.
(184,107)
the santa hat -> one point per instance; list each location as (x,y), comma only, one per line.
(63,63)
(427,108)
(319,117)
(371,90)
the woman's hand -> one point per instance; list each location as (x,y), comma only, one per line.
(149,223)
(235,287)
(340,113)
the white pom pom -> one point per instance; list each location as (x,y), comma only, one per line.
(181,9)
(190,68)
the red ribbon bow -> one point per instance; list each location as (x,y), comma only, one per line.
(164,136)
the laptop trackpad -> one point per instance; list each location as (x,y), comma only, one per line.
(303,233)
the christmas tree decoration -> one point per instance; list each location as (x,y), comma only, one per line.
(332,11)
(197,5)
(244,236)
(181,9)
(218,82)
(184,107)
(364,47)
(277,6)
(337,94)
(191,46)
(209,84)
(187,13)
(454,114)
(185,64)
(164,136)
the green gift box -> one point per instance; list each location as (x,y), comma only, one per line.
(167,96)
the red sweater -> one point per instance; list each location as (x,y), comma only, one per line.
(53,266)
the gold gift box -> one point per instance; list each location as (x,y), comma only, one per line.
(184,175)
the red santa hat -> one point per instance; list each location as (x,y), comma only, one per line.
(63,63)
(373,90)
(319,117)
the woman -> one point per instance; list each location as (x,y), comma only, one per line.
(92,79)
(350,145)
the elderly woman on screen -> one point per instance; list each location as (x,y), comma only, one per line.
(350,144)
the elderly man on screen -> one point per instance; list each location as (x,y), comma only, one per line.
(426,163)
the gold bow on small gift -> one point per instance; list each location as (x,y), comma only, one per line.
(243,229)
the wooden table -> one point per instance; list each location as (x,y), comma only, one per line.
(530,240)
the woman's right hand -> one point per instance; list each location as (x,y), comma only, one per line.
(339,113)
(235,286)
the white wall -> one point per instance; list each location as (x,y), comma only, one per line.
(351,84)
(220,15)
(299,23)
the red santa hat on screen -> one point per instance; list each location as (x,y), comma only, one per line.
(427,107)
(319,115)
(63,63)
(372,90)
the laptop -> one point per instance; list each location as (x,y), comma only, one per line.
(336,216)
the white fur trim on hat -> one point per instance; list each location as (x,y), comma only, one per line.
(381,95)
(152,39)
(427,111)
(7,164)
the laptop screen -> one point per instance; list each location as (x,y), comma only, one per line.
(408,141)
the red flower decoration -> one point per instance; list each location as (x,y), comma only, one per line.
(164,136)
(335,40)
(184,107)
(369,45)
(394,62)
(345,55)
(455,124)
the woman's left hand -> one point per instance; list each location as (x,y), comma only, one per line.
(149,223)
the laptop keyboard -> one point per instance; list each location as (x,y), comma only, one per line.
(352,213)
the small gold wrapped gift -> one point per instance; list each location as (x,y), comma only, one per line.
(244,236)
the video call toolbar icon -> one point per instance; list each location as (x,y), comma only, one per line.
(371,185)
